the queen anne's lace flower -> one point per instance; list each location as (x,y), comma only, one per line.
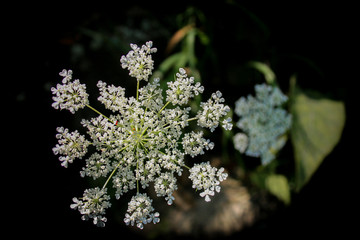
(143,143)
(264,121)
(181,90)
(165,185)
(71,145)
(69,95)
(140,211)
(212,111)
(93,205)
(207,178)
(139,62)
(112,97)
(194,143)
(96,166)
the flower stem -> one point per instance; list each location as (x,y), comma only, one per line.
(99,113)
(163,107)
(112,173)
(137,90)
(192,119)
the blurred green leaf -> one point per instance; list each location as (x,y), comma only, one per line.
(264,69)
(278,185)
(170,62)
(317,126)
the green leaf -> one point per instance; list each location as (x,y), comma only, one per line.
(278,185)
(264,69)
(317,127)
(170,62)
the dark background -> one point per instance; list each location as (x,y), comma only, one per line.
(37,42)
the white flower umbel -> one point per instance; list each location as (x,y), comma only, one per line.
(241,142)
(96,166)
(212,111)
(140,211)
(70,145)
(69,95)
(145,142)
(93,205)
(207,178)
(264,121)
(165,185)
(112,97)
(181,90)
(139,62)
(194,143)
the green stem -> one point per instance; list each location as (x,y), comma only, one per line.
(192,119)
(99,113)
(112,173)
(163,107)
(137,90)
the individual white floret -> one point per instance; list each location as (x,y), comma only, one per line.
(227,124)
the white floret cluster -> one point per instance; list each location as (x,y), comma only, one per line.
(70,146)
(139,61)
(69,95)
(263,122)
(207,178)
(181,90)
(144,142)
(212,111)
(93,205)
(140,211)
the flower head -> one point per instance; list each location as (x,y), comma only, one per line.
(140,211)
(182,89)
(263,121)
(70,145)
(93,205)
(69,95)
(194,143)
(144,143)
(139,62)
(207,178)
(165,185)
(112,97)
(212,111)
(96,166)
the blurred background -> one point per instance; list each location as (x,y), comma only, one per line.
(215,40)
